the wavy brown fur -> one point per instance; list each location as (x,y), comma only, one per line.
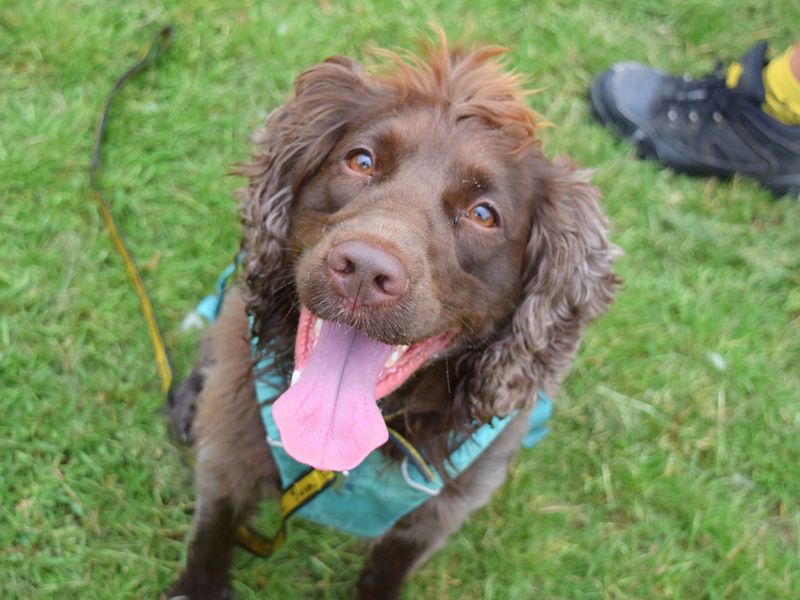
(555,273)
(568,282)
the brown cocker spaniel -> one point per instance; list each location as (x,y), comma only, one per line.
(408,250)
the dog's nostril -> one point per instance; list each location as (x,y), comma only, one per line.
(340,263)
(348,267)
(393,284)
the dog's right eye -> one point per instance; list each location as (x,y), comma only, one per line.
(361,162)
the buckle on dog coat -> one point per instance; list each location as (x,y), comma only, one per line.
(369,499)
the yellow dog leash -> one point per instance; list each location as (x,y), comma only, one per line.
(292,499)
(159,45)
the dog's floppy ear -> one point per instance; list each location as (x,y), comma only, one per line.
(294,143)
(567,282)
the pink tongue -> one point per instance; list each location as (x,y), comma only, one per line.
(329,419)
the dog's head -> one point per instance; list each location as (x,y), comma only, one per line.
(392,220)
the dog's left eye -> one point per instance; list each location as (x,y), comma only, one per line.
(361,162)
(483,214)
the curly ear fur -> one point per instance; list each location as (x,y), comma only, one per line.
(568,282)
(294,143)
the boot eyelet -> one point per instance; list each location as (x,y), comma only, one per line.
(672,116)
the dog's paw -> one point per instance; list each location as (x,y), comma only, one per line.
(372,585)
(182,408)
(187,588)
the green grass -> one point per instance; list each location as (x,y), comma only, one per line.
(673,466)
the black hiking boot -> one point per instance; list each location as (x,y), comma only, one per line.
(702,127)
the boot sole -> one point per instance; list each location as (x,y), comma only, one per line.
(782,185)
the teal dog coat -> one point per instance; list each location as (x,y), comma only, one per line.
(369,499)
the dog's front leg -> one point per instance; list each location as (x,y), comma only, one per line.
(390,561)
(421,533)
(415,537)
(210,553)
(233,472)
(234,465)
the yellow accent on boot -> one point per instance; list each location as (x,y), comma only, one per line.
(782,89)
(734,74)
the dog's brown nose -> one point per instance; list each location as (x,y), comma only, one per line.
(366,275)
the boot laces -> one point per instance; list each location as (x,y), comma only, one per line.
(700,98)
